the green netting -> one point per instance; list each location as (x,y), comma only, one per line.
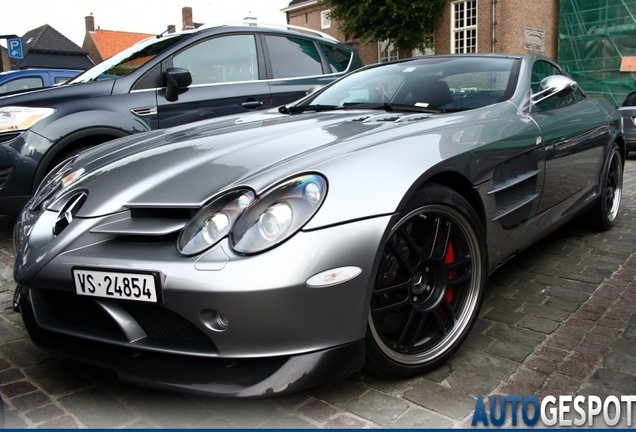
(594,36)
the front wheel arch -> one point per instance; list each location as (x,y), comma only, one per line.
(401,309)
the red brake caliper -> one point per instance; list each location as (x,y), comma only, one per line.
(448,259)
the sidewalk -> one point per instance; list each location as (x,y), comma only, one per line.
(560,318)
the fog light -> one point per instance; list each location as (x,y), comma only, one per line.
(214,320)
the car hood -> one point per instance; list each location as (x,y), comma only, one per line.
(185,166)
(48,96)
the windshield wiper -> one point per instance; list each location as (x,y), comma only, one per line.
(294,109)
(386,106)
(358,105)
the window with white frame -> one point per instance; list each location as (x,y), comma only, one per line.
(387,51)
(464,27)
(325,19)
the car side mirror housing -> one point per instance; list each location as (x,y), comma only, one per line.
(176,79)
(554,85)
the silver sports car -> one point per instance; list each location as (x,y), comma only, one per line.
(262,254)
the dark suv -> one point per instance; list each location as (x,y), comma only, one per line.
(160,82)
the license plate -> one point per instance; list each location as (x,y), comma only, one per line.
(115,285)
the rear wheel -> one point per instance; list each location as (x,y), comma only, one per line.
(429,284)
(606,208)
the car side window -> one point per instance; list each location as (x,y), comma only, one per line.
(22,84)
(221,59)
(630,100)
(293,57)
(541,70)
(337,58)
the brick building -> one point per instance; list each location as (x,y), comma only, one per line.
(501,26)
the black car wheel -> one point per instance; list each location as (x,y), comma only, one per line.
(429,284)
(606,209)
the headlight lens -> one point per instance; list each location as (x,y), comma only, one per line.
(213,222)
(279,214)
(21,118)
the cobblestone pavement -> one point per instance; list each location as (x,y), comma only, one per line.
(558,319)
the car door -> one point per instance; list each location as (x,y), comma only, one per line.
(573,130)
(226,79)
(295,65)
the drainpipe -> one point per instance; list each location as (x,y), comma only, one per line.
(494,23)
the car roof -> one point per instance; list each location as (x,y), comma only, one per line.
(261,27)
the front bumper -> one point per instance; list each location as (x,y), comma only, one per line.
(20,155)
(247,378)
(275,318)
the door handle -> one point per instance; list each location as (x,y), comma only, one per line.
(252,104)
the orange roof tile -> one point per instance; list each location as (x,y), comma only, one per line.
(110,42)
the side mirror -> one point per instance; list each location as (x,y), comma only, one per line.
(554,85)
(176,79)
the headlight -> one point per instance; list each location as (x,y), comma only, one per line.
(278,214)
(21,118)
(213,222)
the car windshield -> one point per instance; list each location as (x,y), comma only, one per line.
(128,60)
(439,84)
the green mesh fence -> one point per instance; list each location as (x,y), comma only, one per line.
(594,37)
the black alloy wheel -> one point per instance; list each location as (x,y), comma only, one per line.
(429,284)
(606,210)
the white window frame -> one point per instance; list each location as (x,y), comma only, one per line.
(464,21)
(387,52)
(325,19)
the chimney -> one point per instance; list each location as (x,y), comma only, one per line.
(186,18)
(90,23)
(171,28)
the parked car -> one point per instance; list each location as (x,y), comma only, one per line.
(261,254)
(25,79)
(628,111)
(161,82)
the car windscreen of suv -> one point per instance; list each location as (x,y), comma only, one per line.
(129,60)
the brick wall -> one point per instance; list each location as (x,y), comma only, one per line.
(512,18)
(6,64)
(310,17)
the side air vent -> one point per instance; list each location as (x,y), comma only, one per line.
(515,186)
(144,111)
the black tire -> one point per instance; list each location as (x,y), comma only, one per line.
(604,213)
(429,284)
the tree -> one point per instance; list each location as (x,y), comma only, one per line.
(406,23)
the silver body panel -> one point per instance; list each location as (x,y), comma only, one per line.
(373,162)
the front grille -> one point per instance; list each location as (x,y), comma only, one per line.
(71,308)
(8,136)
(4,175)
(158,322)
(162,323)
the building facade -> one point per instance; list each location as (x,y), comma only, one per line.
(467,26)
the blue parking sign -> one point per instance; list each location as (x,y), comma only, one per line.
(14,48)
